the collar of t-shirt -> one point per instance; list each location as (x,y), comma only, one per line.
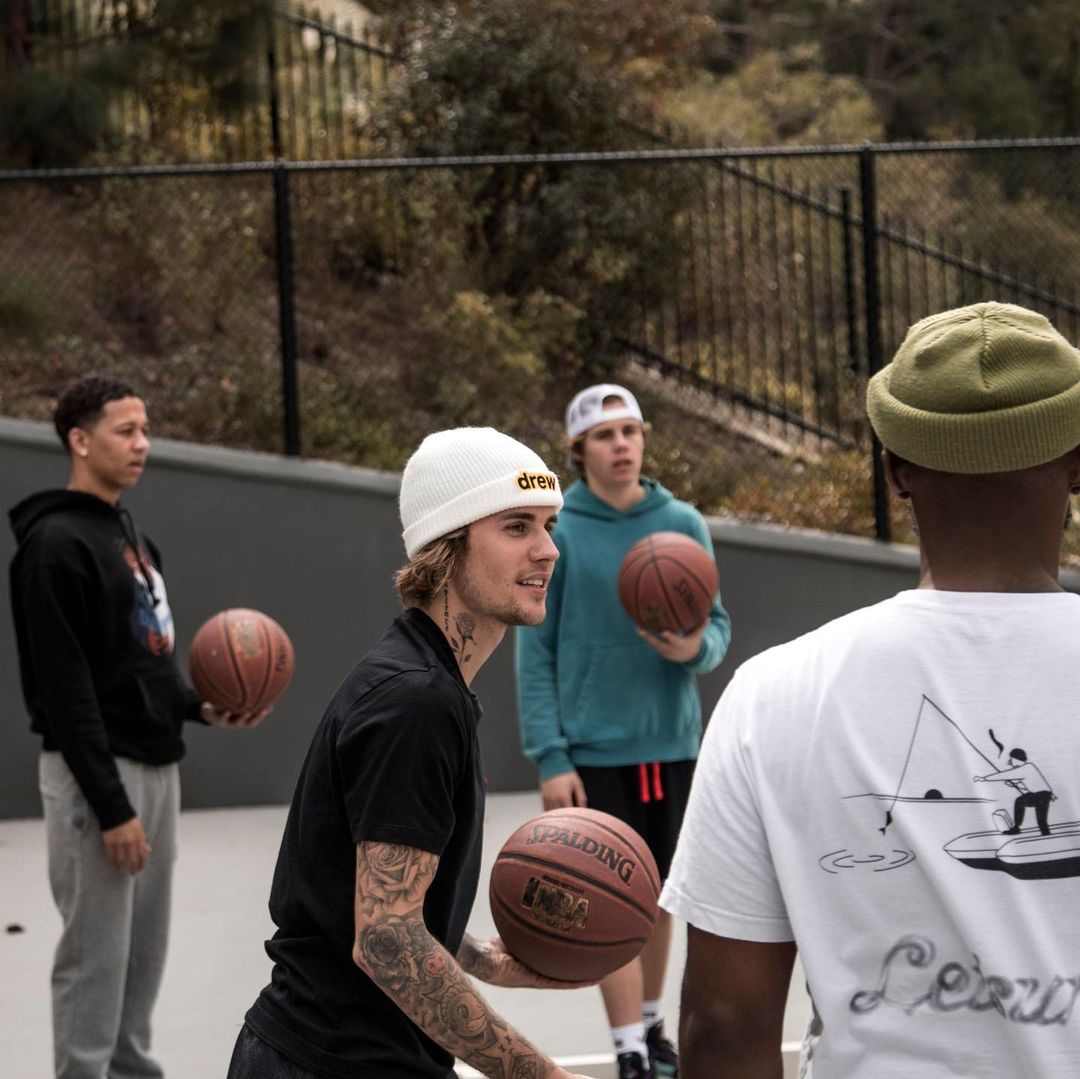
(419,622)
(985,602)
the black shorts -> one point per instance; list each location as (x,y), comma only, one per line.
(651,798)
(253,1059)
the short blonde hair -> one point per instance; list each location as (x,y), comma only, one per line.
(420,580)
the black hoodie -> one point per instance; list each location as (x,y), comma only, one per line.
(95,639)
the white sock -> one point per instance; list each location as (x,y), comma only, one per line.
(630,1039)
(650,1013)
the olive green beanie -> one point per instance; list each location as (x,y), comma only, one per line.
(988,388)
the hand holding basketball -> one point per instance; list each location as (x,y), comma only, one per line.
(673,646)
(496,966)
(219,717)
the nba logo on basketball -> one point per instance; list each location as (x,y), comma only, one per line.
(555,906)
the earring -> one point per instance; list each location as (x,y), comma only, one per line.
(83,453)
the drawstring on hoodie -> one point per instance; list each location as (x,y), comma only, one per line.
(657,792)
(131,537)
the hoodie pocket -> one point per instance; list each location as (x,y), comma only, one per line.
(608,705)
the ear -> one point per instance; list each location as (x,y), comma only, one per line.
(78,442)
(898,473)
(1073,470)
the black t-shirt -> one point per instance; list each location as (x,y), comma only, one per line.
(395,759)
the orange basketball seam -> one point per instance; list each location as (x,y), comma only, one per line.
(644,860)
(693,575)
(268,666)
(644,856)
(538,929)
(667,596)
(219,694)
(532,859)
(235,663)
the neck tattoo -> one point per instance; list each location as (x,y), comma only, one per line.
(446,609)
(465,625)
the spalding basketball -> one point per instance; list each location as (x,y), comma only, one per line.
(667,581)
(573,894)
(241,660)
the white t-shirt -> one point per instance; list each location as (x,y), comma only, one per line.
(835,804)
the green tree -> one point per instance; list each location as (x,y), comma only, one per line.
(963,69)
(969,68)
(503,76)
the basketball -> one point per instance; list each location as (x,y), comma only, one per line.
(573,894)
(241,660)
(667,581)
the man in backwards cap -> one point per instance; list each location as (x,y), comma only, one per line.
(381,854)
(610,712)
(835,807)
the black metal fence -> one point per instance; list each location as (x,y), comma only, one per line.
(776,280)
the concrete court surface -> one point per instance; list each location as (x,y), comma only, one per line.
(217,964)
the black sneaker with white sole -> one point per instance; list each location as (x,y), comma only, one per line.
(663,1058)
(633,1066)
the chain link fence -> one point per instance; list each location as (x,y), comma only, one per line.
(308,308)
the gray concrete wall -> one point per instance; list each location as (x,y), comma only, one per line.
(315,545)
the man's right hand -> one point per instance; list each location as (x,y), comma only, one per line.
(126,846)
(563,791)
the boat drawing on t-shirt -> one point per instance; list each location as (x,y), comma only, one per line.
(1041,850)
(1029,855)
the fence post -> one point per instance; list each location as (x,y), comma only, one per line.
(272,78)
(286,310)
(871,288)
(850,306)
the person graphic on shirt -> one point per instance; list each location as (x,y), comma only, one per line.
(1032,785)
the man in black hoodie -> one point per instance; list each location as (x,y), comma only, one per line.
(95,639)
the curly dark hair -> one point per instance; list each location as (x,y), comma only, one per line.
(83,402)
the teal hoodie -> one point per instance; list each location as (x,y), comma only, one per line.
(590,690)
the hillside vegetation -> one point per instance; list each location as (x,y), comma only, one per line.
(428,299)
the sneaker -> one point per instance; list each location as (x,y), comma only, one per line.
(663,1058)
(633,1066)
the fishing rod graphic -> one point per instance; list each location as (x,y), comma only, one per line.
(914,734)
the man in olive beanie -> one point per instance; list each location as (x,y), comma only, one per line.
(837,808)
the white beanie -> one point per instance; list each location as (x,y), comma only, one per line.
(459,476)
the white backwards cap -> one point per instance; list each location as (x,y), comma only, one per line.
(587,410)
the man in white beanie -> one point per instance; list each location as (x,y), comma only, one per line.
(380,860)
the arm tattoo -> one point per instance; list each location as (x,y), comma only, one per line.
(395,949)
(475,958)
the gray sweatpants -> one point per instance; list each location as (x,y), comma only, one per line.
(111,956)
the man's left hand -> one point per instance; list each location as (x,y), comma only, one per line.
(492,963)
(218,717)
(673,647)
